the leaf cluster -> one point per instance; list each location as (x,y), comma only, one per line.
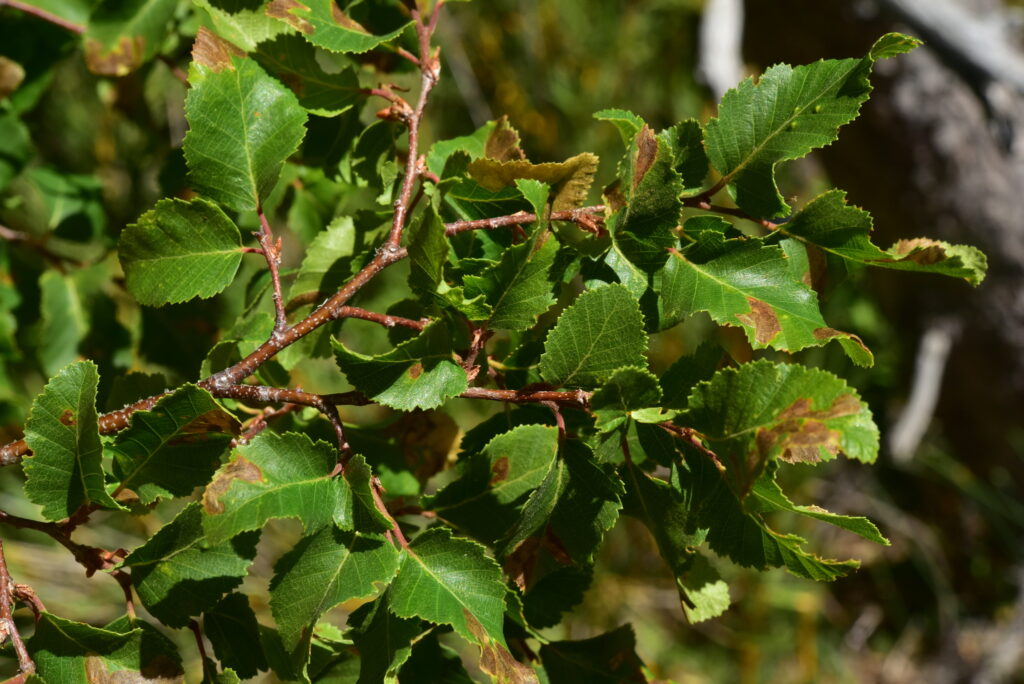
(513,288)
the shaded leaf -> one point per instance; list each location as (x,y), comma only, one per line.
(486,499)
(76,653)
(179,250)
(293,60)
(428,252)
(63,319)
(628,389)
(65,470)
(384,640)
(178,574)
(326,568)
(601,332)
(233,631)
(243,124)
(644,229)
(174,447)
(326,265)
(517,288)
(606,659)
(419,373)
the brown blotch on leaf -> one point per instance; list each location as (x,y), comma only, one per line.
(829,333)
(503,142)
(762,319)
(67,417)
(415,370)
(212,423)
(920,250)
(646,153)
(495,659)
(801,432)
(122,59)
(426,439)
(499,470)
(213,52)
(238,469)
(159,670)
(345,21)
(282,9)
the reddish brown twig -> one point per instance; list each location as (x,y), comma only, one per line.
(44,15)
(693,438)
(700,203)
(272,253)
(7,627)
(588,218)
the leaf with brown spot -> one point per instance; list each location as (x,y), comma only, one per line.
(843,233)
(753,287)
(485,500)
(325,25)
(502,143)
(122,35)
(174,447)
(276,476)
(213,52)
(645,152)
(757,413)
(762,319)
(570,180)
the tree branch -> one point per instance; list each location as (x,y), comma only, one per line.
(271,249)
(7,627)
(44,15)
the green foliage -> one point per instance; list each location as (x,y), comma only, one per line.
(513,289)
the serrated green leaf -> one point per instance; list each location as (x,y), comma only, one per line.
(326,264)
(65,470)
(76,653)
(326,568)
(643,229)
(486,499)
(744,537)
(384,640)
(363,515)
(628,389)
(122,36)
(538,508)
(570,180)
(452,582)
(174,447)
(233,631)
(323,23)
(589,507)
(178,573)
(763,411)
(689,158)
(752,287)
(786,114)
(517,288)
(601,332)
(275,476)
(243,124)
(606,659)
(428,253)
(473,145)
(681,377)
(471,201)
(627,123)
(535,192)
(293,61)
(179,250)
(419,373)
(766,497)
(843,232)
(63,319)
(245,26)
(556,592)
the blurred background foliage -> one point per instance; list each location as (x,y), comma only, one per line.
(943,603)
